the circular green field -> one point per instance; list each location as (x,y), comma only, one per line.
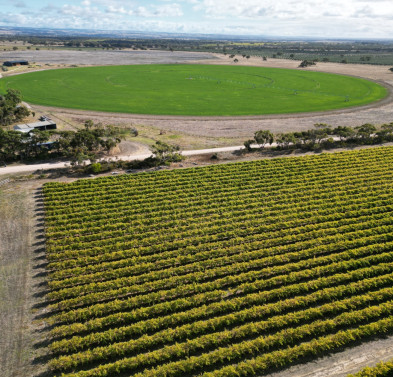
(193,89)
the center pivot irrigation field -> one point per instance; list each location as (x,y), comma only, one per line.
(225,270)
(193,89)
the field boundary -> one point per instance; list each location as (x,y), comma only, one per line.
(380,103)
(137,116)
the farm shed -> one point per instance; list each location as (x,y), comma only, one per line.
(14,63)
(40,126)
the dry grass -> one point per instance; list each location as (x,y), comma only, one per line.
(21,276)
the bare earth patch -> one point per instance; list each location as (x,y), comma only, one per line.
(103,57)
(343,363)
(22,280)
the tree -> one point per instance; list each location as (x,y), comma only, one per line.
(344,132)
(165,153)
(304,137)
(88,143)
(263,137)
(306,63)
(10,109)
(365,131)
(89,124)
(391,69)
(386,132)
(11,144)
(13,97)
(321,132)
(34,144)
(248,144)
(284,140)
(96,168)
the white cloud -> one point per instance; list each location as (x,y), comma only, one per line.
(167,10)
(306,9)
(325,18)
(116,10)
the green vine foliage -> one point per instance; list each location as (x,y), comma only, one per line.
(225,270)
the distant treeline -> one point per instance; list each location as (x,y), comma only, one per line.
(366,52)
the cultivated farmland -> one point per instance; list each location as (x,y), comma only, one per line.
(194,90)
(225,270)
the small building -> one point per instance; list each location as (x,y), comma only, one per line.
(14,63)
(40,126)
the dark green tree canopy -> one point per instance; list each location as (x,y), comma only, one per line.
(10,109)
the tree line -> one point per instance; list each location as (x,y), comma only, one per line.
(323,136)
(85,144)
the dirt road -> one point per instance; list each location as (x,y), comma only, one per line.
(139,156)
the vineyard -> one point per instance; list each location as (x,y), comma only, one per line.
(226,270)
(380,370)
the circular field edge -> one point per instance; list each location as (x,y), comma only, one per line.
(347,110)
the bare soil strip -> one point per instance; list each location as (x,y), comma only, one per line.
(343,363)
(20,282)
(102,57)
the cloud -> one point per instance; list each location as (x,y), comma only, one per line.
(257,9)
(167,10)
(325,18)
(20,4)
(12,19)
(116,10)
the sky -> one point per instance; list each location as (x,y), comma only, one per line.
(287,18)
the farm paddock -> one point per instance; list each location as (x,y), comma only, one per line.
(213,131)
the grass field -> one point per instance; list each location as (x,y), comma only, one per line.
(193,89)
(225,270)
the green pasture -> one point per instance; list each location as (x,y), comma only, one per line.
(193,89)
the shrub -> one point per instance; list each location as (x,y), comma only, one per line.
(96,168)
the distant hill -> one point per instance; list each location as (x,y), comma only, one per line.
(24,31)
